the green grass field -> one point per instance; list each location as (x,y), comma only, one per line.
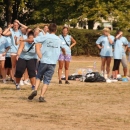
(78,106)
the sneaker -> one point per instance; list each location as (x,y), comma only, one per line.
(60,82)
(33,87)
(21,83)
(33,94)
(67,82)
(41,99)
(26,82)
(4,81)
(17,87)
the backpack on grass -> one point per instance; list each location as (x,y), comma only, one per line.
(94,77)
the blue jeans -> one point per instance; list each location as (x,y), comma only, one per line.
(45,72)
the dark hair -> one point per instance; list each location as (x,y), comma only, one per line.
(30,33)
(65,28)
(118,31)
(52,27)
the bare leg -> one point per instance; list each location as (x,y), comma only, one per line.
(108,66)
(43,90)
(3,69)
(61,63)
(33,81)
(125,71)
(13,61)
(37,84)
(103,60)
(66,69)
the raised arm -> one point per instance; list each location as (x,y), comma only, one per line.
(7,31)
(22,25)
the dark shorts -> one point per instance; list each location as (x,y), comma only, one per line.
(45,72)
(106,56)
(8,63)
(23,64)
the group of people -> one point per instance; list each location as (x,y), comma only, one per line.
(116,47)
(27,54)
(33,54)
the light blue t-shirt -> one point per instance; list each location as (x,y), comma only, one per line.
(124,42)
(65,46)
(3,44)
(28,55)
(107,47)
(9,41)
(51,46)
(119,50)
(24,36)
(18,34)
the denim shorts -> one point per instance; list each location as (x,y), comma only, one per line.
(64,57)
(45,72)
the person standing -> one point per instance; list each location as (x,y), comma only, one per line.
(104,43)
(64,60)
(4,47)
(48,55)
(15,33)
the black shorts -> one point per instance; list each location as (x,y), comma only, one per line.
(23,64)
(8,63)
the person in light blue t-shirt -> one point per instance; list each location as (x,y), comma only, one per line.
(64,60)
(120,47)
(129,54)
(105,43)
(48,55)
(44,31)
(4,47)
(26,59)
(15,33)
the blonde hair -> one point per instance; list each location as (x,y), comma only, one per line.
(106,30)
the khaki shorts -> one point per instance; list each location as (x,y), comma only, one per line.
(124,61)
(2,57)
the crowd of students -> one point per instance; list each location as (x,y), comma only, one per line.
(116,47)
(31,55)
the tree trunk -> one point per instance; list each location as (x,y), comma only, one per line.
(90,24)
(8,11)
(15,10)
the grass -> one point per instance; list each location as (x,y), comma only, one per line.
(78,106)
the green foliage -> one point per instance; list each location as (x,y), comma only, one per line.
(73,22)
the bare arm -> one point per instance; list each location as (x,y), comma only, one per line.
(126,47)
(99,46)
(38,50)
(73,42)
(41,31)
(7,32)
(22,25)
(110,40)
(6,50)
(20,49)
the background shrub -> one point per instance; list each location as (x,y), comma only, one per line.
(85,40)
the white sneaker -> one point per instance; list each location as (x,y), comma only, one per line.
(26,82)
(21,83)
(4,81)
(108,81)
